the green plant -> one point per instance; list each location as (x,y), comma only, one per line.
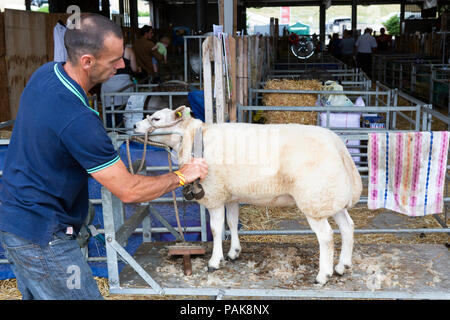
(42,9)
(143,14)
(392,25)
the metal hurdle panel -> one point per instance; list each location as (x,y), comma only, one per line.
(415,75)
(440,87)
(138,90)
(325,62)
(379,64)
(402,74)
(348,78)
(381,96)
(188,41)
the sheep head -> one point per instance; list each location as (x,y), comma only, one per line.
(165,125)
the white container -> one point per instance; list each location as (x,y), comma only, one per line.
(344,120)
(341,120)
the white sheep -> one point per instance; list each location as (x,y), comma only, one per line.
(269,165)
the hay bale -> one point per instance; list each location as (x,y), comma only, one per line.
(288,99)
(9,291)
(5,134)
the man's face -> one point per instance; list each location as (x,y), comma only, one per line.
(108,61)
(149,35)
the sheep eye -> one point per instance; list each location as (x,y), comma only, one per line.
(155,119)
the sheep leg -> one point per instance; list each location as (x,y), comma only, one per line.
(233,220)
(324,234)
(217,218)
(346,227)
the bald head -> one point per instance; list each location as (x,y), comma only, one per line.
(90,37)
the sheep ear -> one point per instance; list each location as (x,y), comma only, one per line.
(182,112)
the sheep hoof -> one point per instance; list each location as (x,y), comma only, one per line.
(231,257)
(228,258)
(322,280)
(340,269)
(212,269)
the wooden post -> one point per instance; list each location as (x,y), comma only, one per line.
(250,56)
(207,47)
(256,62)
(219,81)
(240,63)
(220,5)
(245,70)
(212,50)
(233,66)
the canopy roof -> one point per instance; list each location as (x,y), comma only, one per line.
(299,28)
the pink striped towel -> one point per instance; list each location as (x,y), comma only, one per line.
(407,171)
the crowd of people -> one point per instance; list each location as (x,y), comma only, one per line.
(358,53)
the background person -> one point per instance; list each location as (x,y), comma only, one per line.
(365,46)
(333,46)
(384,41)
(122,79)
(144,54)
(161,47)
(347,46)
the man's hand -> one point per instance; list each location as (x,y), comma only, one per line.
(193,169)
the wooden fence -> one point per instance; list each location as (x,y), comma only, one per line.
(26,43)
(425,44)
(247,58)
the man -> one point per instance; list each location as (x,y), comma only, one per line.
(57,142)
(143,49)
(334,46)
(365,46)
(347,46)
(384,41)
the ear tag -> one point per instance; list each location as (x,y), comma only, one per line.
(178,114)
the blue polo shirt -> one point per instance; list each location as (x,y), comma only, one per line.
(57,141)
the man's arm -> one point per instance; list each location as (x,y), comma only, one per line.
(374,45)
(138,188)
